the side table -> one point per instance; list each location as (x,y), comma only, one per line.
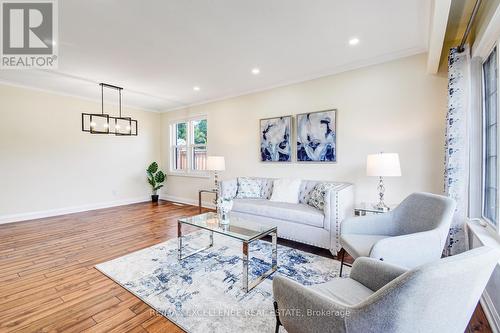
(206,191)
(367,208)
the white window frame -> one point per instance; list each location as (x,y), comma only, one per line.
(487,38)
(491,225)
(190,145)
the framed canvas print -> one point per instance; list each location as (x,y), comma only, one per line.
(275,139)
(317,136)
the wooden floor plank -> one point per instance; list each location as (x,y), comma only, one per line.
(133,322)
(110,312)
(109,323)
(159,324)
(48,281)
(73,322)
(78,327)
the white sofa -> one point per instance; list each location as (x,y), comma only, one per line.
(297,222)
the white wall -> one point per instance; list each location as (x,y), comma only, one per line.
(392,107)
(49,166)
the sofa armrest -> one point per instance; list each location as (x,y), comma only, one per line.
(304,310)
(373,273)
(339,205)
(409,250)
(228,188)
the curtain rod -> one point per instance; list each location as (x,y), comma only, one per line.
(469,26)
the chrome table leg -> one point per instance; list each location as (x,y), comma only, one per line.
(245,266)
(247,285)
(179,242)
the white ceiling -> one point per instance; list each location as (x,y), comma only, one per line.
(159,49)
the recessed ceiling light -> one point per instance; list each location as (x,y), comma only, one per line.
(196,88)
(255,71)
(353,41)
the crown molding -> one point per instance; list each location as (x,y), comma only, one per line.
(59,93)
(318,75)
(313,76)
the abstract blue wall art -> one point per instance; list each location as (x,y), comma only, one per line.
(317,137)
(275,139)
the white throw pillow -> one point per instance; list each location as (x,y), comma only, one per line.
(286,190)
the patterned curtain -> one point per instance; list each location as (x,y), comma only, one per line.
(456,172)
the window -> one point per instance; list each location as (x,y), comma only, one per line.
(189,148)
(199,144)
(180,146)
(490,139)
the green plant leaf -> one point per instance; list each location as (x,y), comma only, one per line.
(157,187)
(152,168)
(160,177)
(151,182)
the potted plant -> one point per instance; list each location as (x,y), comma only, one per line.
(155,179)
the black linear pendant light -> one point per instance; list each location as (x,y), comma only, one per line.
(100,123)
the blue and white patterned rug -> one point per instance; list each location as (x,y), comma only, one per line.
(203,292)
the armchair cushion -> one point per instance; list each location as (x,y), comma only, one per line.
(346,291)
(359,245)
(296,303)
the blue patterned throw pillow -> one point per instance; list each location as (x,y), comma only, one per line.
(248,188)
(317,196)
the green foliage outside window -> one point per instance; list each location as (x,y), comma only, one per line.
(181,131)
(200,132)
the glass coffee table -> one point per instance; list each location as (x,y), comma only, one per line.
(244,230)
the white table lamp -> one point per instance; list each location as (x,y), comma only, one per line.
(382,165)
(215,164)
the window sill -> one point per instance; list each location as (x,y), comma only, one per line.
(486,234)
(188,174)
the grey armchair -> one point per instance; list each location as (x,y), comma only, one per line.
(412,234)
(379,297)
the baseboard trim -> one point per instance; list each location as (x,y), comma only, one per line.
(68,210)
(187,201)
(490,312)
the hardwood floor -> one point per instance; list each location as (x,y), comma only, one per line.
(48,281)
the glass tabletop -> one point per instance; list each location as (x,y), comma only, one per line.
(238,228)
(370,207)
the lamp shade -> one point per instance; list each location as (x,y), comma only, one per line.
(216,163)
(383,165)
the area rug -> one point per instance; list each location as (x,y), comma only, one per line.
(203,292)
